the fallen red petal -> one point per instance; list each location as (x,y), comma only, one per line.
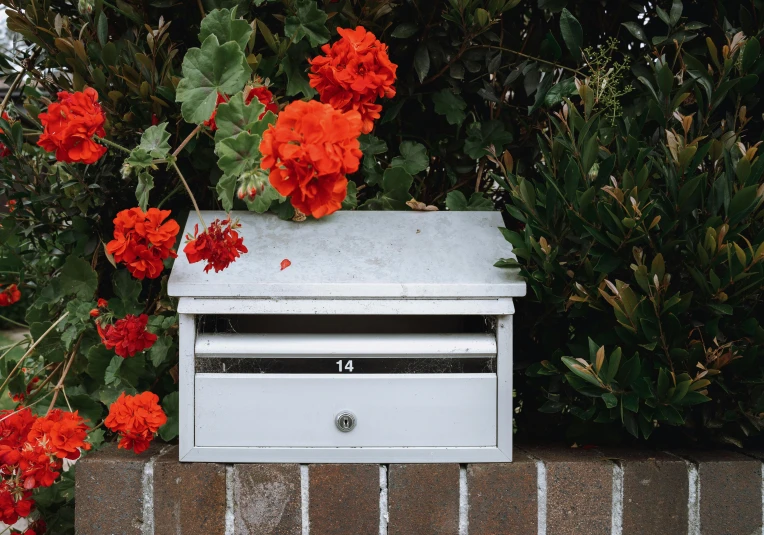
(285,264)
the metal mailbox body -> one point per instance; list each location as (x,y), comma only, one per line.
(350,265)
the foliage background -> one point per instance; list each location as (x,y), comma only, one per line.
(477,123)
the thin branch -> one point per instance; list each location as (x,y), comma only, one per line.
(112,144)
(190,194)
(534,58)
(11,89)
(185,141)
(60,384)
(31,348)
(16,323)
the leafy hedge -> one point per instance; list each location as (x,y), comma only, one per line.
(619,140)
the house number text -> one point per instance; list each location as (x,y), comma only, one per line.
(347,367)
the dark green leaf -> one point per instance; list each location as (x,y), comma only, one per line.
(572,33)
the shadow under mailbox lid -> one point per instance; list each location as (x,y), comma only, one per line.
(359,255)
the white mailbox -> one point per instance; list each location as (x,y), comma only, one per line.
(387,339)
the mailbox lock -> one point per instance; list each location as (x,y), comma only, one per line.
(345,421)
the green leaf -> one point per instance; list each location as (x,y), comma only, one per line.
(451,105)
(422,62)
(552,5)
(78,278)
(751,53)
(103,29)
(351,198)
(413,158)
(371,145)
(170,405)
(142,190)
(636,30)
(222,24)
(294,66)
(158,352)
(610,400)
(110,376)
(456,201)
(239,154)
(308,21)
(742,204)
(155,141)
(235,116)
(480,136)
(226,189)
(676,12)
(207,71)
(572,33)
(405,30)
(126,287)
(99,359)
(565,88)
(396,182)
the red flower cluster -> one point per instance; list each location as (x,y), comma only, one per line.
(136,419)
(9,295)
(142,241)
(260,92)
(4,151)
(32,450)
(69,127)
(127,336)
(219,245)
(309,151)
(353,73)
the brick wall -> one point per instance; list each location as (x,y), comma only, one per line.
(547,490)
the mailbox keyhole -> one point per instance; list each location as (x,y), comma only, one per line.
(345,421)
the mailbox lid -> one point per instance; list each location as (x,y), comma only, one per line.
(359,254)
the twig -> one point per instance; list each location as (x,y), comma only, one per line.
(60,385)
(31,348)
(24,407)
(481,167)
(112,144)
(11,89)
(201,8)
(534,58)
(8,349)
(190,194)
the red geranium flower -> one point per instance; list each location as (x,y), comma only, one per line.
(136,419)
(219,245)
(14,504)
(309,151)
(5,151)
(127,336)
(69,127)
(353,73)
(14,428)
(261,92)
(63,433)
(9,295)
(142,241)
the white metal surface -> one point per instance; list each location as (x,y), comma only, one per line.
(476,345)
(358,254)
(504,374)
(374,307)
(417,410)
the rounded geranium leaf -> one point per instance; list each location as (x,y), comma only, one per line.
(222,24)
(239,153)
(236,116)
(208,71)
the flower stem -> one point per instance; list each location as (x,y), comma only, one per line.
(16,323)
(11,89)
(60,385)
(190,194)
(112,144)
(185,141)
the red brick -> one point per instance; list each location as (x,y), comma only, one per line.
(189,498)
(502,497)
(655,491)
(579,490)
(344,499)
(730,492)
(266,499)
(423,499)
(109,491)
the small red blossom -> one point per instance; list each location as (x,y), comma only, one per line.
(127,336)
(136,419)
(143,240)
(219,245)
(353,72)
(70,125)
(14,504)
(309,151)
(11,205)
(9,295)
(102,303)
(5,151)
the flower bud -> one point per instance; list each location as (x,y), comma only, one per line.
(85,7)
(252,183)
